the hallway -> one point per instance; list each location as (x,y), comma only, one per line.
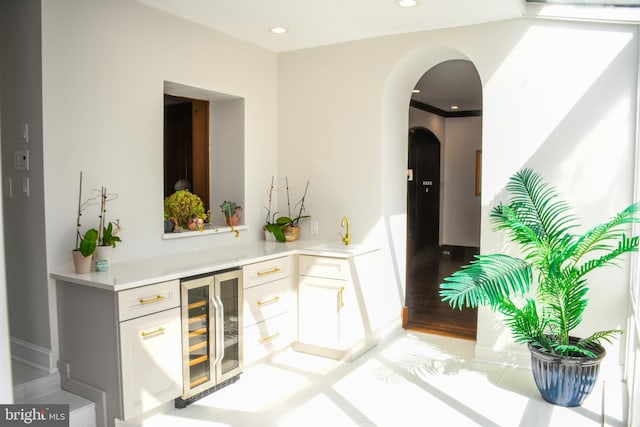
(426,269)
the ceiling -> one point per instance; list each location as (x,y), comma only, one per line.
(314,23)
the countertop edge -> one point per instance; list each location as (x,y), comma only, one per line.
(145,272)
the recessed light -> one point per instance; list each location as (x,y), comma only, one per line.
(415,91)
(278,30)
(454,107)
(406,3)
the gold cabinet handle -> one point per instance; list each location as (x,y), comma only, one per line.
(269,301)
(269,338)
(154,299)
(157,331)
(341,297)
(264,273)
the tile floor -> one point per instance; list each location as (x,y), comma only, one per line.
(415,379)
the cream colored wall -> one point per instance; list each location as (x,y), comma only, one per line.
(558,97)
(103,66)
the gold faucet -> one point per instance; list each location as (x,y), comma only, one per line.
(346,239)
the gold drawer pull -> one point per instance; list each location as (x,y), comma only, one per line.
(341,297)
(269,301)
(269,338)
(154,299)
(157,331)
(264,273)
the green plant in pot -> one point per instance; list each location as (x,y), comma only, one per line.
(285,228)
(109,237)
(231,212)
(186,210)
(557,261)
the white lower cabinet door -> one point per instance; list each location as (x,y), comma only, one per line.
(321,311)
(150,349)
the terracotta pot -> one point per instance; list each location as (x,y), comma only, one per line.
(291,233)
(195,224)
(81,263)
(233,220)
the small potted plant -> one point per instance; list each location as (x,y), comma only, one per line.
(85,243)
(85,247)
(231,212)
(565,368)
(285,228)
(186,210)
(292,229)
(107,234)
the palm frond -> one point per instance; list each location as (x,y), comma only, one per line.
(598,238)
(535,217)
(625,244)
(524,323)
(598,337)
(487,280)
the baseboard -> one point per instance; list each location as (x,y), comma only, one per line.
(388,331)
(33,355)
(97,396)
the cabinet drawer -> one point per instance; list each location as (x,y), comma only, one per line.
(265,338)
(268,300)
(267,271)
(327,267)
(148,299)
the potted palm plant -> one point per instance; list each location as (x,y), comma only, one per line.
(564,367)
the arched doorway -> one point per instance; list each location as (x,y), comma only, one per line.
(443,206)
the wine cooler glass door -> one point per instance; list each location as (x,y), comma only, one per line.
(197,340)
(228,296)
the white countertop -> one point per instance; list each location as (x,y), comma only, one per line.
(126,275)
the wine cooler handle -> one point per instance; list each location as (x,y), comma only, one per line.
(219,313)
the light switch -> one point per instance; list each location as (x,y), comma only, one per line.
(25,186)
(21,160)
(313,227)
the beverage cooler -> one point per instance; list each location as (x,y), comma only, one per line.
(211,333)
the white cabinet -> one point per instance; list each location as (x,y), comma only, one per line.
(151,371)
(125,345)
(269,313)
(150,339)
(331,319)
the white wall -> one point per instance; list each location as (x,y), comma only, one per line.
(461,206)
(104,64)
(558,97)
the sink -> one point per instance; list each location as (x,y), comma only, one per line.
(340,248)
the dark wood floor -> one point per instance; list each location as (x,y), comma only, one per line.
(426,269)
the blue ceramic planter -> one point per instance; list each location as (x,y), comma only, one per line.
(565,380)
